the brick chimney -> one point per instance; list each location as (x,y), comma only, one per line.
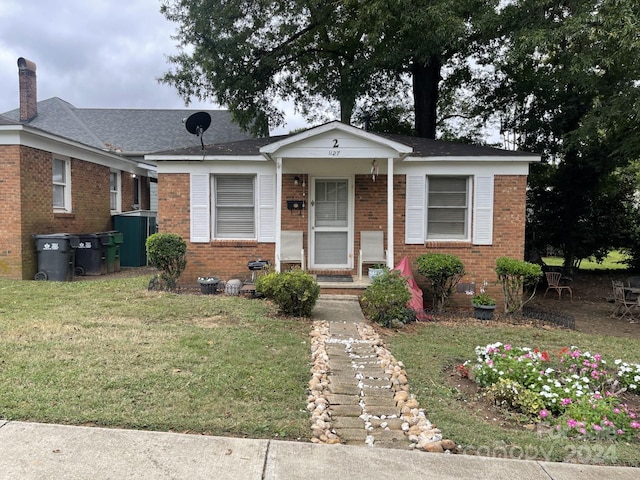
(28,90)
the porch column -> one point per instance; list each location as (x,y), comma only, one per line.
(390,239)
(278,212)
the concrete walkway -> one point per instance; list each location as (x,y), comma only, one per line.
(30,451)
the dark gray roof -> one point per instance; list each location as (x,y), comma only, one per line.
(7,121)
(422,147)
(128,130)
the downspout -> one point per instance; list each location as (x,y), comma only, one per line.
(278,211)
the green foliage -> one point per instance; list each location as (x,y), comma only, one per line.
(483,299)
(168,253)
(514,275)
(444,271)
(510,394)
(385,300)
(294,292)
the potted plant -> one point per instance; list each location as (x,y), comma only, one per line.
(483,303)
(208,285)
(377,269)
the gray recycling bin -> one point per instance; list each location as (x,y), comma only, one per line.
(56,256)
(91,254)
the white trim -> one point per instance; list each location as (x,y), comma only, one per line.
(200,208)
(68,198)
(483,192)
(118,191)
(415,204)
(266,205)
(474,158)
(350,222)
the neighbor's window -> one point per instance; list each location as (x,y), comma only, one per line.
(234,201)
(447,208)
(114,191)
(61,185)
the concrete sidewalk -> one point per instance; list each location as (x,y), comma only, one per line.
(30,451)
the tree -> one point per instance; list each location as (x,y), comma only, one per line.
(567,86)
(246,54)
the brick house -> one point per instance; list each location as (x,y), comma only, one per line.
(67,169)
(233,201)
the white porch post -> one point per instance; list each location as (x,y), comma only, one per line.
(278,211)
(390,239)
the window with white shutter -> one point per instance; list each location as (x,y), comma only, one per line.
(234,207)
(447,208)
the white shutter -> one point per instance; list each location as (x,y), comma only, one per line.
(266,208)
(414,209)
(200,205)
(483,210)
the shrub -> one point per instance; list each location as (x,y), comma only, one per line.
(385,300)
(444,271)
(168,253)
(294,292)
(514,275)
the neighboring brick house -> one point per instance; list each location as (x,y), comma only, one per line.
(232,201)
(67,169)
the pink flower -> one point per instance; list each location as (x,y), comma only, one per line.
(583,431)
(597,427)
(634,425)
(507,347)
(544,413)
(620,432)
(571,423)
(565,401)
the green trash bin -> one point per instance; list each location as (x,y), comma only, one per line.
(56,256)
(112,240)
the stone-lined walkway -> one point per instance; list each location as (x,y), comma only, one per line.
(359,393)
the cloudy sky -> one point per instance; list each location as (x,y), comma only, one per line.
(93,53)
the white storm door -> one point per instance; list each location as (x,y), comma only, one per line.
(330,220)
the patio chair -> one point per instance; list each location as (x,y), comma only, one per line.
(291,248)
(624,307)
(553,283)
(371,249)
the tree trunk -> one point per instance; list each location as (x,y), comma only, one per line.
(426,77)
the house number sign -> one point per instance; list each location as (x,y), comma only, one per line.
(334,152)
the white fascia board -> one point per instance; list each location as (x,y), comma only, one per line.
(205,158)
(506,158)
(25,136)
(216,167)
(271,148)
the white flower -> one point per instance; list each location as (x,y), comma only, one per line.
(618,361)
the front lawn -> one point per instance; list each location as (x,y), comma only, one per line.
(433,350)
(110,353)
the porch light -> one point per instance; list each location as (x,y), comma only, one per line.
(374,169)
(296,180)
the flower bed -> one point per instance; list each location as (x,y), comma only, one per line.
(572,390)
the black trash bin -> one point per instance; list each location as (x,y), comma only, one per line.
(91,254)
(56,256)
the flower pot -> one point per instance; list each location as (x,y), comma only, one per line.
(483,312)
(208,285)
(374,272)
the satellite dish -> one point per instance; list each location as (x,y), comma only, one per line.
(197,124)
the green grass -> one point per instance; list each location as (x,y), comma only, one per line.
(111,353)
(433,349)
(613,261)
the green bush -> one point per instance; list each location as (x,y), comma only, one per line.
(168,253)
(385,300)
(444,271)
(514,275)
(510,394)
(295,292)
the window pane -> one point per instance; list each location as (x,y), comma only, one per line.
(331,208)
(447,208)
(234,207)
(58,196)
(59,171)
(331,248)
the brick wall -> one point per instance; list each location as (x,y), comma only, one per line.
(10,213)
(27,207)
(227,259)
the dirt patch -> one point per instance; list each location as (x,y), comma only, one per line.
(591,306)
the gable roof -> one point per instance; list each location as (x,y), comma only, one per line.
(128,131)
(413,147)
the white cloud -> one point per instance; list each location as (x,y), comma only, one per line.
(98,53)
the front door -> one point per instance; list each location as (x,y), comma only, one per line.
(330,219)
